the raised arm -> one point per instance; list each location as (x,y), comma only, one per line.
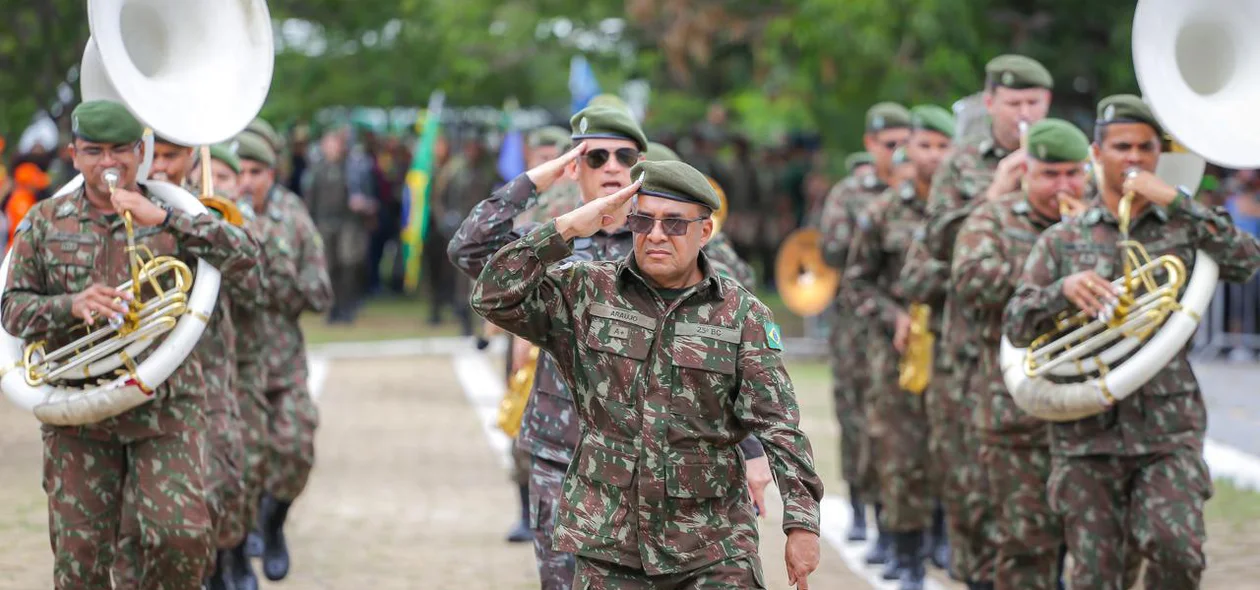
(1234,250)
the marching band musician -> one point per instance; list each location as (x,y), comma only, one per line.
(983,166)
(887,127)
(67,253)
(896,424)
(1135,471)
(661,422)
(171,161)
(298,281)
(991,248)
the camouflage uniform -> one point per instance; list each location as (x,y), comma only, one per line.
(895,419)
(549,431)
(657,485)
(153,453)
(850,373)
(1137,469)
(299,283)
(957,189)
(729,263)
(344,233)
(992,246)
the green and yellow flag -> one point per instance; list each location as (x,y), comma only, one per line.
(416,192)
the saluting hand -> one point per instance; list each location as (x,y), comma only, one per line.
(1009,171)
(547,173)
(596,215)
(801,555)
(143,211)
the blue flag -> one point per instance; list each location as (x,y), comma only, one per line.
(583,85)
(512,155)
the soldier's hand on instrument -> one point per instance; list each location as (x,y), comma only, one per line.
(1009,171)
(801,555)
(758,473)
(1150,187)
(547,173)
(596,215)
(99,300)
(1071,205)
(143,211)
(901,334)
(1090,293)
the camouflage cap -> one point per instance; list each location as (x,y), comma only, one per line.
(1126,108)
(607,122)
(550,135)
(223,153)
(657,152)
(677,181)
(886,115)
(931,117)
(1056,140)
(105,121)
(1018,72)
(251,146)
(857,159)
(264,129)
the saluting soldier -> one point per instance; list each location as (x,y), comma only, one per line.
(887,127)
(297,282)
(67,255)
(1135,471)
(983,166)
(992,246)
(671,366)
(896,422)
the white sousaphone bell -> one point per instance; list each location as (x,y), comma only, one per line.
(1188,57)
(197,72)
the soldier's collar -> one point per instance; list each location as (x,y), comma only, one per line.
(711,285)
(1099,213)
(78,206)
(907,191)
(989,146)
(1024,208)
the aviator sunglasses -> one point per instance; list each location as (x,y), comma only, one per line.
(598,157)
(672,226)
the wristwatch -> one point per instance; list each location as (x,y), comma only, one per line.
(166,222)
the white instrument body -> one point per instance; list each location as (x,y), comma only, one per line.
(63,406)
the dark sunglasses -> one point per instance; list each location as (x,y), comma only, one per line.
(597,158)
(672,226)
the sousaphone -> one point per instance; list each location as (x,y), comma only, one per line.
(196,71)
(804,280)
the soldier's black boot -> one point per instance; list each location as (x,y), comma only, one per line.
(938,544)
(521,533)
(221,579)
(254,540)
(879,552)
(910,554)
(979,585)
(242,570)
(857,531)
(275,552)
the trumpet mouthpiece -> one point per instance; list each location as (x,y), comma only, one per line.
(111,176)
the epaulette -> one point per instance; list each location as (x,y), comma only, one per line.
(64,210)
(1021,208)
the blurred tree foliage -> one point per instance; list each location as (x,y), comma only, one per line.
(777,66)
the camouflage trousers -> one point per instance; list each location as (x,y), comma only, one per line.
(1155,501)
(1029,534)
(850,378)
(292,420)
(740,573)
(897,425)
(954,448)
(251,383)
(87,478)
(546,481)
(521,460)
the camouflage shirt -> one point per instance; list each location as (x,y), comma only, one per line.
(64,245)
(993,244)
(664,393)
(728,263)
(840,211)
(1168,411)
(561,198)
(298,272)
(251,337)
(885,229)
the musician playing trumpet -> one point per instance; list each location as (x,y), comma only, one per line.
(68,254)
(1135,471)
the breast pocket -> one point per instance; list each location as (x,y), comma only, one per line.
(615,364)
(70,264)
(704,372)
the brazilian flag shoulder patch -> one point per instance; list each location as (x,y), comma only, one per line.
(774,336)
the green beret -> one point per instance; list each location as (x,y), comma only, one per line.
(857,159)
(157,138)
(660,153)
(549,136)
(1018,72)
(608,100)
(104,121)
(932,118)
(899,156)
(223,153)
(1056,140)
(1126,108)
(886,115)
(251,146)
(267,132)
(677,181)
(609,123)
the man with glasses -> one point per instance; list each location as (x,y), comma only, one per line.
(68,254)
(611,142)
(983,166)
(887,128)
(671,366)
